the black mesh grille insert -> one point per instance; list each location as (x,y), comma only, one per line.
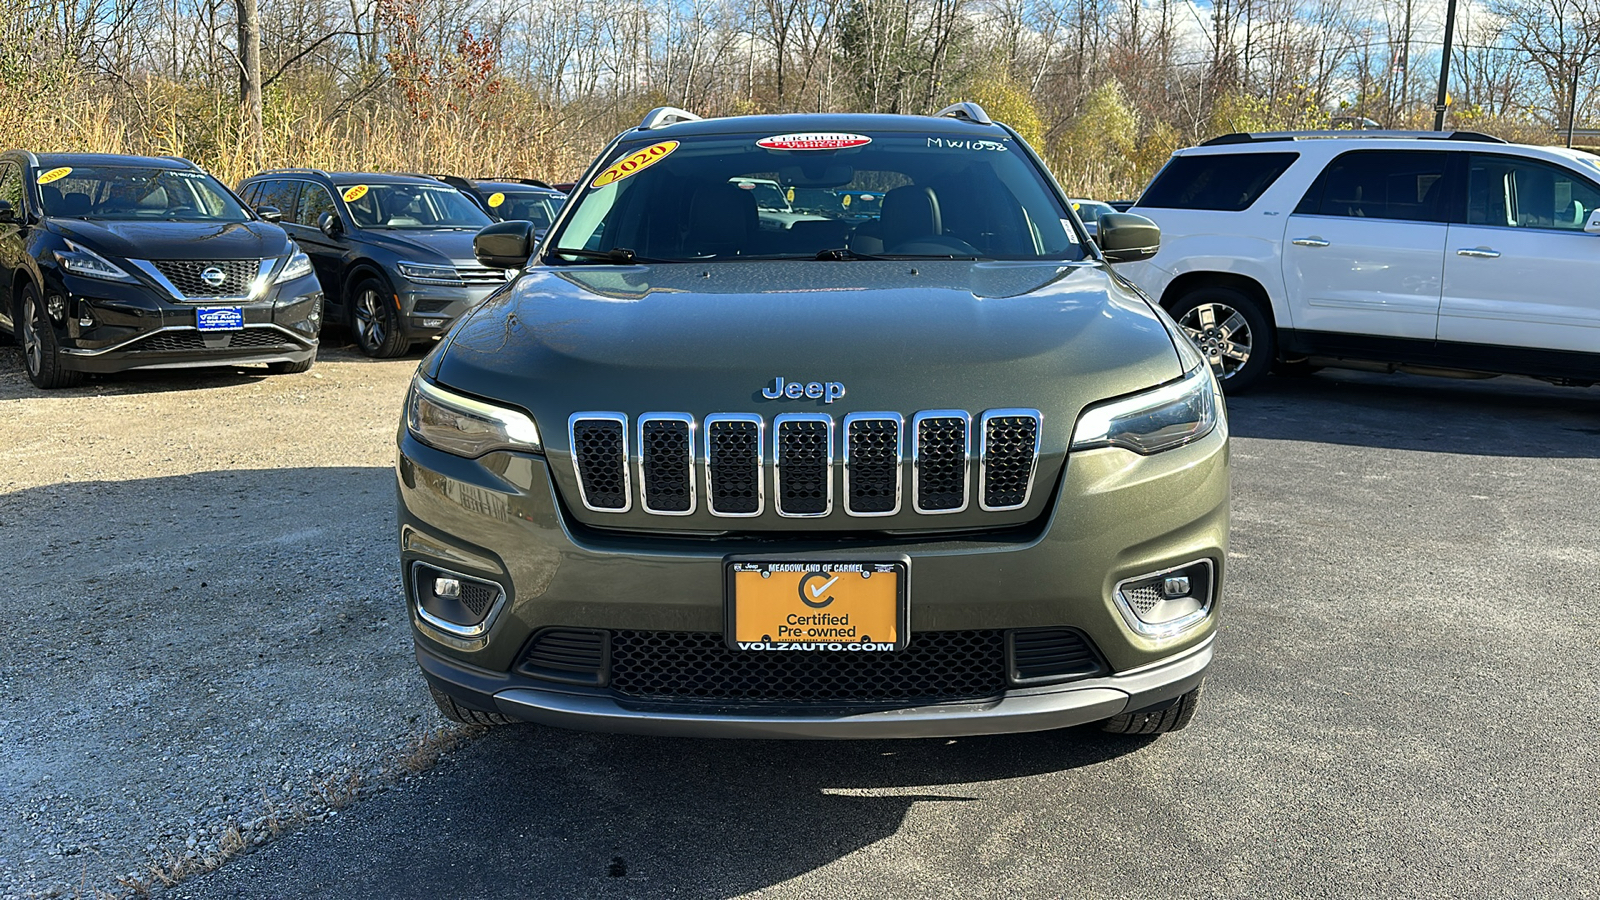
(170,342)
(476,597)
(941,463)
(874,465)
(733,455)
(258,338)
(1055,653)
(179,341)
(597,445)
(803,456)
(185,276)
(666,460)
(938,665)
(1008,444)
(572,655)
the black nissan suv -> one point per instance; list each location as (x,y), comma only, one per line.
(512,199)
(393,252)
(110,263)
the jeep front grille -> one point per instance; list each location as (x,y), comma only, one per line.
(872,445)
(1007,456)
(733,464)
(939,460)
(666,463)
(802,456)
(600,455)
(237,276)
(872,454)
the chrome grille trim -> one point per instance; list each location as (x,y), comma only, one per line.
(985,463)
(645,459)
(621,459)
(714,461)
(920,450)
(848,453)
(780,426)
(257,286)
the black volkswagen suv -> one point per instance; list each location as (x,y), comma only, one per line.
(512,199)
(393,252)
(110,263)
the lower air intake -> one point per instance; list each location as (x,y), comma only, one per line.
(938,665)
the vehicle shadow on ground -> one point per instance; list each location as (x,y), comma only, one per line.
(541,812)
(1505,416)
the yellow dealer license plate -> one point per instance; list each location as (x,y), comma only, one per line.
(808,606)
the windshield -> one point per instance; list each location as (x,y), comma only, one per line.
(538,207)
(411,206)
(136,192)
(896,194)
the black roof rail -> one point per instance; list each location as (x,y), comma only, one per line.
(666,115)
(972,112)
(183,159)
(1269,136)
(455,181)
(301,170)
(506,179)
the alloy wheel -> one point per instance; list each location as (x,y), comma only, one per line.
(32,346)
(1223,336)
(369,319)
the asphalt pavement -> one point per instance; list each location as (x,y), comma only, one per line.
(1403,705)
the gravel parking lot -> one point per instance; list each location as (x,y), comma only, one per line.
(203,631)
(200,625)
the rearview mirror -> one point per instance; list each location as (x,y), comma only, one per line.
(270,213)
(8,213)
(504,245)
(1124,237)
(330,225)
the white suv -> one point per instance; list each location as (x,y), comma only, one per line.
(1429,251)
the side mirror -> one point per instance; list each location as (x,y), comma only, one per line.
(8,213)
(1124,237)
(270,213)
(504,245)
(1593,227)
(330,225)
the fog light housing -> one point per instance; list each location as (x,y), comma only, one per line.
(457,604)
(1167,603)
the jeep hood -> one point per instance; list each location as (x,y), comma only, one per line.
(899,336)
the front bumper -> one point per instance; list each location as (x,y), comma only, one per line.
(430,310)
(116,327)
(1017,710)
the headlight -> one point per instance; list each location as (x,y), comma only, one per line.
(464,426)
(298,266)
(425,274)
(81,260)
(1169,416)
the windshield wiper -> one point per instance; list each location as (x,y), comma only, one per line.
(615,254)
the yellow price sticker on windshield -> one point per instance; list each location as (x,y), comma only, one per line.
(790,195)
(634,163)
(355,192)
(845,202)
(55,174)
(495,199)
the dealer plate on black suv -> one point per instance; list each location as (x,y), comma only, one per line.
(219,318)
(789,605)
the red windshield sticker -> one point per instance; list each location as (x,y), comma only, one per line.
(824,140)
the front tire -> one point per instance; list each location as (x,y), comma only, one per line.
(1232,332)
(1162,718)
(375,321)
(464,715)
(41,354)
(291,368)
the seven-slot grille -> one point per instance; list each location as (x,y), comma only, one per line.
(475,274)
(237,276)
(873,446)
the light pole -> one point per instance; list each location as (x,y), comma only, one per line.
(1444,67)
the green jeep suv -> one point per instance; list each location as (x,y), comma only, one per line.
(931,470)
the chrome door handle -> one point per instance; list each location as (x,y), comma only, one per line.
(1309,242)
(1478,253)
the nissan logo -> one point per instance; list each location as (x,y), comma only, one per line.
(213,276)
